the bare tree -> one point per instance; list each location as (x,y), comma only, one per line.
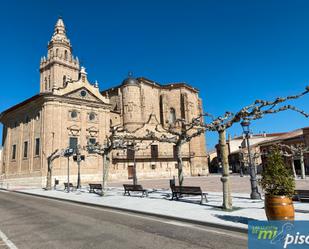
(135,144)
(256,110)
(56,154)
(178,133)
(112,141)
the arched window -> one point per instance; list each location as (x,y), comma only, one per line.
(161,110)
(172,117)
(57,50)
(182,106)
(65,54)
(49,82)
(45,82)
(64,80)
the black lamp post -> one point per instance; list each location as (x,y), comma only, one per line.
(254,188)
(68,152)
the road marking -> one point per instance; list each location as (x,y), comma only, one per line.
(5,239)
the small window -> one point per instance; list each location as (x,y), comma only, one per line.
(92,116)
(92,141)
(154,151)
(37,117)
(25,149)
(83,93)
(37,146)
(64,80)
(49,82)
(45,83)
(174,151)
(14,151)
(130,153)
(73,141)
(172,117)
(65,54)
(27,119)
(74,114)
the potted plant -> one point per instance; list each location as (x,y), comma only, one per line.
(278,183)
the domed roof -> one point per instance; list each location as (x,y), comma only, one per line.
(130,80)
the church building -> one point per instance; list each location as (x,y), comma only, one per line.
(69,110)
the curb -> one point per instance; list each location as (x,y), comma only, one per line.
(162,216)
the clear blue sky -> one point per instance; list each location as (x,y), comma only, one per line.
(233,51)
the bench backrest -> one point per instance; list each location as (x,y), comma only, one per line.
(95,185)
(133,187)
(187,189)
(302,192)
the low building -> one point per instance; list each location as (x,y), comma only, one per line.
(238,151)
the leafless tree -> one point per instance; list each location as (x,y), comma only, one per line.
(256,110)
(135,144)
(56,154)
(112,141)
(178,133)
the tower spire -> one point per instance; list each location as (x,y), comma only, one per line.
(60,63)
(60,33)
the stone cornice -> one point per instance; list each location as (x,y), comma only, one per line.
(41,98)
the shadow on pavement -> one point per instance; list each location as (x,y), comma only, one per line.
(236,219)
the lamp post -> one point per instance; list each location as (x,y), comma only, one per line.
(254,189)
(68,153)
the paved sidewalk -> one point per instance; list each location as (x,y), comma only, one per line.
(159,203)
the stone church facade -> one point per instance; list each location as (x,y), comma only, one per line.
(70,110)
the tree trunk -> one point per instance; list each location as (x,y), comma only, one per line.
(106,164)
(293,167)
(179,164)
(134,171)
(49,176)
(227,198)
(302,165)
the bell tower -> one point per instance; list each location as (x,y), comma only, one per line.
(60,65)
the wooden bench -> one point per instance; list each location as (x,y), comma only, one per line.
(134,188)
(94,186)
(301,195)
(71,186)
(178,191)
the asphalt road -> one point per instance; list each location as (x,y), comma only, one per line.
(34,222)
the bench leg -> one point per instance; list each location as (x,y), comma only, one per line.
(203,199)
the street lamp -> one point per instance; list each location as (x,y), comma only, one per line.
(68,152)
(78,158)
(254,189)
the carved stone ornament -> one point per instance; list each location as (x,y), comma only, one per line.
(92,131)
(74,130)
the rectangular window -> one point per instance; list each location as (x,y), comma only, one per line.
(130,153)
(73,142)
(26,149)
(174,151)
(154,151)
(92,141)
(14,151)
(37,147)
